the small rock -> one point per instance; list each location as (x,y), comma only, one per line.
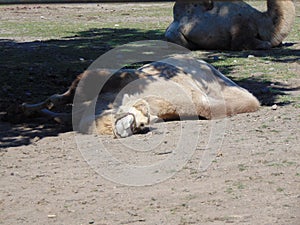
(274,107)
(51,216)
(251,56)
(35,139)
(219,153)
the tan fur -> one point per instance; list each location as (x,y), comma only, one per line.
(230,24)
(104,124)
(225,98)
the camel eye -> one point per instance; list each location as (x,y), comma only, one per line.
(142,125)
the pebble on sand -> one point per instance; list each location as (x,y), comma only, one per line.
(274,107)
(51,216)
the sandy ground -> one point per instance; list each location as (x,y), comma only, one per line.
(253,180)
(254,176)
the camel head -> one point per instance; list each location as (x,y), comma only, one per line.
(132,118)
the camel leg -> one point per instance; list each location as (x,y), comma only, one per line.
(54,100)
(261,45)
(241,43)
(64,118)
(246,37)
(247,41)
(175,35)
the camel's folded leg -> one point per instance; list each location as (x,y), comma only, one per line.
(54,100)
(65,118)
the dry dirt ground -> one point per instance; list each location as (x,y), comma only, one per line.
(254,176)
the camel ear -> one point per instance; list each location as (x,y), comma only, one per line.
(125,99)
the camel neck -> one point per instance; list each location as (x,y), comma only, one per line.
(282,14)
(278,9)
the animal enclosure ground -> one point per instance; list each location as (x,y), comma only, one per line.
(255,178)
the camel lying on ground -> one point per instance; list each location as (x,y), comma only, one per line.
(178,87)
(231,25)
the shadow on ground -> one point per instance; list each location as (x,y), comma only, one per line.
(32,71)
(266,91)
(12,135)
